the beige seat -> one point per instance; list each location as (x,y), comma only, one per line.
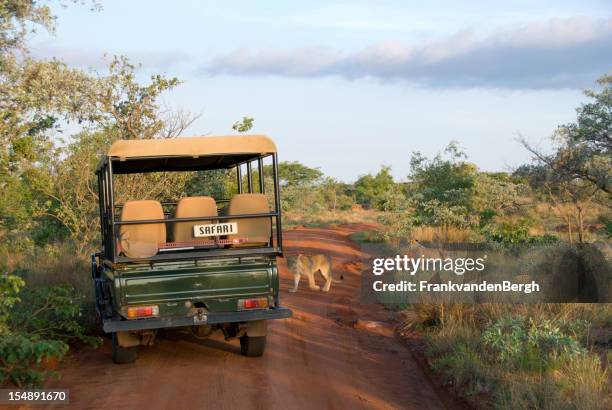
(191,207)
(141,240)
(255,230)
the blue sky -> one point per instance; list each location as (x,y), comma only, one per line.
(349,86)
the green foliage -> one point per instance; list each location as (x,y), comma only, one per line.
(495,192)
(51,313)
(607,225)
(534,359)
(372,191)
(301,188)
(17,18)
(529,344)
(23,358)
(441,189)
(295,174)
(587,148)
(10,285)
(35,327)
(126,108)
(218,183)
(584,148)
(243,125)
(516,233)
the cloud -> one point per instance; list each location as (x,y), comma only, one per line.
(97,59)
(558,53)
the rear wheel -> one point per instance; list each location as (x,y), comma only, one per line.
(121,354)
(252,346)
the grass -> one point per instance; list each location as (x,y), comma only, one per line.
(325,217)
(54,264)
(457,350)
(440,234)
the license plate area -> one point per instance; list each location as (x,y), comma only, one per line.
(226,228)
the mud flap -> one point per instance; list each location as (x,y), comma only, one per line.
(257,328)
(127,339)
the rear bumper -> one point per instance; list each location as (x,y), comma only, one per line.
(115,325)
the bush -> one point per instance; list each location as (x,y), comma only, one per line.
(529,344)
(35,327)
(522,356)
(10,285)
(24,358)
(510,234)
(51,313)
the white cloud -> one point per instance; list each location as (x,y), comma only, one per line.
(558,53)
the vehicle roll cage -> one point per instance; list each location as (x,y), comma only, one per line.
(108,209)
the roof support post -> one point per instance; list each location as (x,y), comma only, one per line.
(261,175)
(111,200)
(239,175)
(250,177)
(277,202)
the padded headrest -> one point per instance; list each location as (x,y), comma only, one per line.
(141,240)
(256,230)
(190,207)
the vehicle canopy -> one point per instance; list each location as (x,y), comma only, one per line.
(187,153)
(190,154)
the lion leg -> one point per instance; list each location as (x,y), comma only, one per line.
(327,275)
(311,282)
(296,282)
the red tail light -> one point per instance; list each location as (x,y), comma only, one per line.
(142,311)
(255,303)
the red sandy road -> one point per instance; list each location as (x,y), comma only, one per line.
(314,360)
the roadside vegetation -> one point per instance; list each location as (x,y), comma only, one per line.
(57,120)
(519,356)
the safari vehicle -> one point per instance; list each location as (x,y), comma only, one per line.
(200,263)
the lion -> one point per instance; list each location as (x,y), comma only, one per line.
(308,265)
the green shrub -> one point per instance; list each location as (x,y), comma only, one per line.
(529,344)
(51,313)
(24,358)
(10,285)
(511,234)
(35,328)
(522,356)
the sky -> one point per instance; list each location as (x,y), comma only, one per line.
(350,86)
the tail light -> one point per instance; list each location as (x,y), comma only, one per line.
(142,311)
(255,303)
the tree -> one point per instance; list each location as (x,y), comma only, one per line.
(243,125)
(44,176)
(296,174)
(584,147)
(580,170)
(17,18)
(441,188)
(372,191)
(36,98)
(127,109)
(119,108)
(493,193)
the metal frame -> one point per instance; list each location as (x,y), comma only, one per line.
(108,207)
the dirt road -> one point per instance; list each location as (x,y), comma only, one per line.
(318,359)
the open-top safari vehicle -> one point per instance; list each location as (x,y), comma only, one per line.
(201,262)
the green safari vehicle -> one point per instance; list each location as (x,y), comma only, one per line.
(200,263)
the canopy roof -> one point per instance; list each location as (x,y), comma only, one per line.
(193,146)
(187,153)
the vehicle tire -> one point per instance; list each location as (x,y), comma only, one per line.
(252,346)
(123,355)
